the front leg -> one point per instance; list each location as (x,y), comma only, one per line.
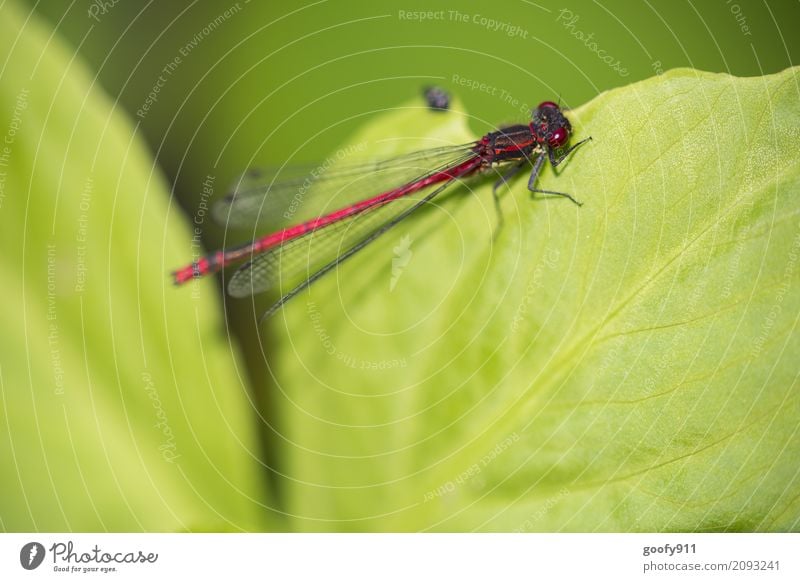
(537,168)
(554,161)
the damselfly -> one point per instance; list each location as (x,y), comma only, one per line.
(370,198)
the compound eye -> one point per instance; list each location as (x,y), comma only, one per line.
(547,104)
(558,138)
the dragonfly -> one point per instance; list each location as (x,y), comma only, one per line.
(318,217)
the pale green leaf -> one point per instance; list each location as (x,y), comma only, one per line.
(121,408)
(630,365)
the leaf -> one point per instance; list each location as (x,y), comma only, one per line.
(121,408)
(629,365)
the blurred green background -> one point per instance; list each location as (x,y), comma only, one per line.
(274,81)
(257,83)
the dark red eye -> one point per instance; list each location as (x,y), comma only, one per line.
(547,104)
(558,138)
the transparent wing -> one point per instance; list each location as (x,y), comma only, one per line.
(294,261)
(276,197)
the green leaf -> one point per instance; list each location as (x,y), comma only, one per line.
(121,407)
(629,365)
